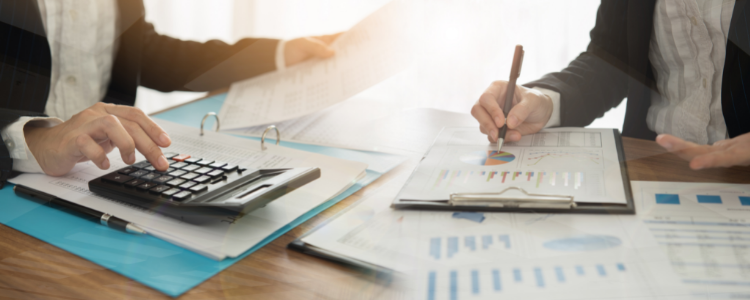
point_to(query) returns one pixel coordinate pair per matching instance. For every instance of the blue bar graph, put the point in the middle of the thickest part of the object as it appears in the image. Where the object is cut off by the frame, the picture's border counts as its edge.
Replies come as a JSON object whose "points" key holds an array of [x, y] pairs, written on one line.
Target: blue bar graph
{"points": [[475, 282], [600, 269], [744, 200], [621, 267], [486, 241], [454, 285], [505, 239], [435, 247], [517, 275], [667, 199], [539, 277], [496, 279], [452, 246], [431, 285], [560, 274], [470, 242], [709, 199], [579, 271]]}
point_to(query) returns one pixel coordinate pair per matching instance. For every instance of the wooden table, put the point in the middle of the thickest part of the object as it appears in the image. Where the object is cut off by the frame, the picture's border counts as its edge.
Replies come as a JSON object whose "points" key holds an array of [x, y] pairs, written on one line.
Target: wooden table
{"points": [[32, 269]]}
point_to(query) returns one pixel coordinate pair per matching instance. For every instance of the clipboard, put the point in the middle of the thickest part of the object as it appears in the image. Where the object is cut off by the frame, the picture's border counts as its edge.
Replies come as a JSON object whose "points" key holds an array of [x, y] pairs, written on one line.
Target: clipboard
{"points": [[516, 199]]}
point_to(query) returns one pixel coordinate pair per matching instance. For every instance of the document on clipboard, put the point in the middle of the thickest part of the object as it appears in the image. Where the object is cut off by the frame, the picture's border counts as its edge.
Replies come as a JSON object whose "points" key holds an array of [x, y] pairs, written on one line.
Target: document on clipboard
{"points": [[555, 170]]}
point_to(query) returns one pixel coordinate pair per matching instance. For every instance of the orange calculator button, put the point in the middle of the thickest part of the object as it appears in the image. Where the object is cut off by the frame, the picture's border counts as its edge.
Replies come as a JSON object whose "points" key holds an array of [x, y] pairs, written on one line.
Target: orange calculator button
{"points": [[181, 157]]}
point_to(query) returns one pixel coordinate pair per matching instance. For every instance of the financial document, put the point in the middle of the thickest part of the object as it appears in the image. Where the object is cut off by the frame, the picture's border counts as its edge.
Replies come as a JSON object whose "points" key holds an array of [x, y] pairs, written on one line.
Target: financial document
{"points": [[371, 51], [578, 162], [468, 255], [213, 237]]}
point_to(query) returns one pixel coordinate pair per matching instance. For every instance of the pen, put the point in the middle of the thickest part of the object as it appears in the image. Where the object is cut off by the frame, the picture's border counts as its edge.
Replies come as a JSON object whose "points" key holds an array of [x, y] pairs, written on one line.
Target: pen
{"points": [[104, 218], [515, 71]]}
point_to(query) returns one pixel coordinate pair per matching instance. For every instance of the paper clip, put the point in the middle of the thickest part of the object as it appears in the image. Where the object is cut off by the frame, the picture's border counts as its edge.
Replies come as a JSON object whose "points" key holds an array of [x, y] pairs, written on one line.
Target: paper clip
{"points": [[263, 137], [515, 197], [204, 121]]}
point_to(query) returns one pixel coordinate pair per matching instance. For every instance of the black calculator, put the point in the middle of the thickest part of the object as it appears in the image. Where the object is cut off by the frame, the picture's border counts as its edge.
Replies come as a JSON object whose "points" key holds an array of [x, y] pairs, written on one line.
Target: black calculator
{"points": [[192, 183]]}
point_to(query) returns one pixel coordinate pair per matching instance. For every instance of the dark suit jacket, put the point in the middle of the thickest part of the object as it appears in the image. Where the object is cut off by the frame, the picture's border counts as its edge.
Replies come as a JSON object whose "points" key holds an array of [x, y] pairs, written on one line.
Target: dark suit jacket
{"points": [[144, 58], [616, 65]]}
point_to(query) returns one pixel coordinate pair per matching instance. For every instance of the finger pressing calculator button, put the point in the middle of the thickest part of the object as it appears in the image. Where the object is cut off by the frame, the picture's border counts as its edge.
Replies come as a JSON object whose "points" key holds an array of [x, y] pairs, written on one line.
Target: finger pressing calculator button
{"points": [[168, 170], [170, 154], [202, 179], [176, 182], [181, 157], [146, 186], [180, 165], [171, 161], [142, 164], [150, 176], [229, 168], [127, 171], [215, 173], [181, 196], [198, 188], [159, 189], [203, 170], [217, 165], [177, 173], [193, 160], [150, 168], [189, 176], [191, 168], [117, 178], [139, 173], [205, 162], [187, 185], [163, 179], [170, 192], [134, 183]]}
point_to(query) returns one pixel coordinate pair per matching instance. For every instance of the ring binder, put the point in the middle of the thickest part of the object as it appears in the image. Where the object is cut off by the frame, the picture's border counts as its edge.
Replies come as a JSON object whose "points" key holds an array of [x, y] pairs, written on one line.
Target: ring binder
{"points": [[523, 199], [204, 121], [263, 137]]}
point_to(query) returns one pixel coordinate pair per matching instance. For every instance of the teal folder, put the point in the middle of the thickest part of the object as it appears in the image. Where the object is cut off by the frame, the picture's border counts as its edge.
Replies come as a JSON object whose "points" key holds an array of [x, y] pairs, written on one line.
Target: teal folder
{"points": [[148, 260]]}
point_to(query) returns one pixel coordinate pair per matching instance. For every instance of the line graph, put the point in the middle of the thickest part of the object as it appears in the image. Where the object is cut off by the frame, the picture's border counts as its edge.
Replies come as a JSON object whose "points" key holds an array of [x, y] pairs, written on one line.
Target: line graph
{"points": [[563, 158]]}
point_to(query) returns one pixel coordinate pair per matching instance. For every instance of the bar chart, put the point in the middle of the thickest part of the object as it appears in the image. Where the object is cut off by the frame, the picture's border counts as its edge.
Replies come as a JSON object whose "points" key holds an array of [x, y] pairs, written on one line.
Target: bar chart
{"points": [[453, 245]]}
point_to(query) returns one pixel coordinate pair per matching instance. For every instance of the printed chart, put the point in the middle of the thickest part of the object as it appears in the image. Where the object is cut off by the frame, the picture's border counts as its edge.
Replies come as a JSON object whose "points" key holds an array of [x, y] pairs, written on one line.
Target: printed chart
{"points": [[530, 179], [471, 243], [488, 158], [559, 158]]}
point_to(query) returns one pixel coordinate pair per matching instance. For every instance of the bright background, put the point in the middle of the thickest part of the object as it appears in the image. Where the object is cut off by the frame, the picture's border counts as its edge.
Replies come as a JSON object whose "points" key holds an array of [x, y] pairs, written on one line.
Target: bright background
{"points": [[467, 43]]}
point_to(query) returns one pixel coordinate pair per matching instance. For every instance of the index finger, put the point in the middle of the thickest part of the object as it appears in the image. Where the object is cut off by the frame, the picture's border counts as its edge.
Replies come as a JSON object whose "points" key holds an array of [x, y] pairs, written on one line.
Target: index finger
{"points": [[684, 149], [154, 131], [328, 39]]}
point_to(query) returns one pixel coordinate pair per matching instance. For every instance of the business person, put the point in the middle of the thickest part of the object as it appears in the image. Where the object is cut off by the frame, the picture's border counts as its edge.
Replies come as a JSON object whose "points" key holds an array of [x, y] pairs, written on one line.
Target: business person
{"points": [[80, 61], [683, 65]]}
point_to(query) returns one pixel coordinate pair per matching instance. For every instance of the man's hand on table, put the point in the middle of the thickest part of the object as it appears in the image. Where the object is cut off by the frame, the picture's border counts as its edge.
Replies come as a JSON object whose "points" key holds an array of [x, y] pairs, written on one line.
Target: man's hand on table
{"points": [[94, 132], [302, 49], [726, 153], [531, 111]]}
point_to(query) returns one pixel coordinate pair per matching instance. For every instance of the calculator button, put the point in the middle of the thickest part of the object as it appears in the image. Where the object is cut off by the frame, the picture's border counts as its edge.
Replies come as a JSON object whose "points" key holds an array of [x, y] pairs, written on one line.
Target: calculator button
{"points": [[199, 188], [191, 168], [177, 173], [146, 186], [181, 157], [163, 179], [168, 193], [179, 165], [150, 168], [150, 176], [229, 168], [205, 162], [168, 170], [139, 173], [170, 154], [189, 176], [182, 195], [217, 165], [142, 164], [159, 189], [134, 183], [187, 185], [171, 161], [193, 160], [127, 171], [176, 182], [215, 173], [117, 178], [202, 179], [203, 170]]}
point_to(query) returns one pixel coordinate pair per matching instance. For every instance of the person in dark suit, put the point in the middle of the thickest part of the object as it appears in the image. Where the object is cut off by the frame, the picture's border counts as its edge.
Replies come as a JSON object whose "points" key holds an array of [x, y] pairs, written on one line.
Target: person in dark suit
{"points": [[81, 61], [683, 65]]}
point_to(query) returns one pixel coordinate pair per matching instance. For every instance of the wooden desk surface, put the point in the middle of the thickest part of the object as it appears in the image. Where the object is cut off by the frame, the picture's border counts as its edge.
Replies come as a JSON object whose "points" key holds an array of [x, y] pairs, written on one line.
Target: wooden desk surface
{"points": [[32, 269]]}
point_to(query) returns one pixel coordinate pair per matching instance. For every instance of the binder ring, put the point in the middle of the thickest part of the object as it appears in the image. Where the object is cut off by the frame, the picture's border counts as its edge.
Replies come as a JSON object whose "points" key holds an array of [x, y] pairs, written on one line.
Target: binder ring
{"points": [[263, 137], [204, 121]]}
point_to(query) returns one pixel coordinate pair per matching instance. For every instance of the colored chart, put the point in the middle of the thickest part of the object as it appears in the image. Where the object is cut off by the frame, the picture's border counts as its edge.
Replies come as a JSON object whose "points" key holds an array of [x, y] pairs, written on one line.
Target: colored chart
{"points": [[488, 158]]}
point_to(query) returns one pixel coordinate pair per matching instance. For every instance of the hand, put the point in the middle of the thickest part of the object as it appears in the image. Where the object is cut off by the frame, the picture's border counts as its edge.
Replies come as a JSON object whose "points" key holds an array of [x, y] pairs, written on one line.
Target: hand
{"points": [[531, 111], [94, 132], [302, 49], [726, 153]]}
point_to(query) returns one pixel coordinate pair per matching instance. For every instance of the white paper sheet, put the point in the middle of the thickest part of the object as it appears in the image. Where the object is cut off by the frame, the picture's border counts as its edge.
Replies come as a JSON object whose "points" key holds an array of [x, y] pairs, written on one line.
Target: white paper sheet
{"points": [[371, 51], [213, 237], [562, 161]]}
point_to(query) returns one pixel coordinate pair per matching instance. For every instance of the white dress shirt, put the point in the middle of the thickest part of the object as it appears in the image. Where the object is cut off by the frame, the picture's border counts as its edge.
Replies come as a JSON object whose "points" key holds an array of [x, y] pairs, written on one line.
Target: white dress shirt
{"points": [[81, 35], [687, 51]]}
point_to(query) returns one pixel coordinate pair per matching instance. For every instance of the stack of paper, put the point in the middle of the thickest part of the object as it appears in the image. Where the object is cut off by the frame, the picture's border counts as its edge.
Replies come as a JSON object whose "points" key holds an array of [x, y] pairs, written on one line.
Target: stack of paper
{"points": [[216, 238]]}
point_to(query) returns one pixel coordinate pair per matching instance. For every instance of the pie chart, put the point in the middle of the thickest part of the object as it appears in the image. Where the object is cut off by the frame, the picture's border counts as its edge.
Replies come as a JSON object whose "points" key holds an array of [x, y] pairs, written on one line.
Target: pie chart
{"points": [[488, 158]]}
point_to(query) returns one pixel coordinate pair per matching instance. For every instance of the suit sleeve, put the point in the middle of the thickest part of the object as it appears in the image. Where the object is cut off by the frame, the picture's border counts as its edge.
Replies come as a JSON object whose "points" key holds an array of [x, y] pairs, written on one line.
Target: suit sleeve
{"points": [[7, 117], [170, 64], [596, 80]]}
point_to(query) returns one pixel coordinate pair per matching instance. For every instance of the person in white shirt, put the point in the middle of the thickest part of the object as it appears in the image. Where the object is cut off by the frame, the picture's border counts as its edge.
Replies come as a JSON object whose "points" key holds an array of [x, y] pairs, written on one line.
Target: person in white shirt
{"points": [[70, 69], [682, 64]]}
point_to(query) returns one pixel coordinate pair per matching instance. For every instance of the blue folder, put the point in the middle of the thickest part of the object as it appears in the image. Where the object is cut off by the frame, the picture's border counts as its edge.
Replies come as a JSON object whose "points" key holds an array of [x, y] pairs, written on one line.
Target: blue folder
{"points": [[151, 261]]}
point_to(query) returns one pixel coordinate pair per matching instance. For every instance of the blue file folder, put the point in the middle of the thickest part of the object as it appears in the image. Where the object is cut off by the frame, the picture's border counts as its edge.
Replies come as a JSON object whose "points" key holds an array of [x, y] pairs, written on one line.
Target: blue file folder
{"points": [[151, 261]]}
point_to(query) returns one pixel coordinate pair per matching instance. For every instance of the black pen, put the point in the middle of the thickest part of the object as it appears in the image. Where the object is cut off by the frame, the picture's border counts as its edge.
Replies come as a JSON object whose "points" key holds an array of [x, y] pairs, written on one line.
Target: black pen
{"points": [[104, 218], [515, 72]]}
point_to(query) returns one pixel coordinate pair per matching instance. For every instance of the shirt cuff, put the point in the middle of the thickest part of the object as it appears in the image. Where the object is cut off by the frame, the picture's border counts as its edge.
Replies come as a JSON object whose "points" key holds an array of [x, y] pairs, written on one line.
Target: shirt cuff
{"points": [[554, 119], [280, 61], [15, 140]]}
